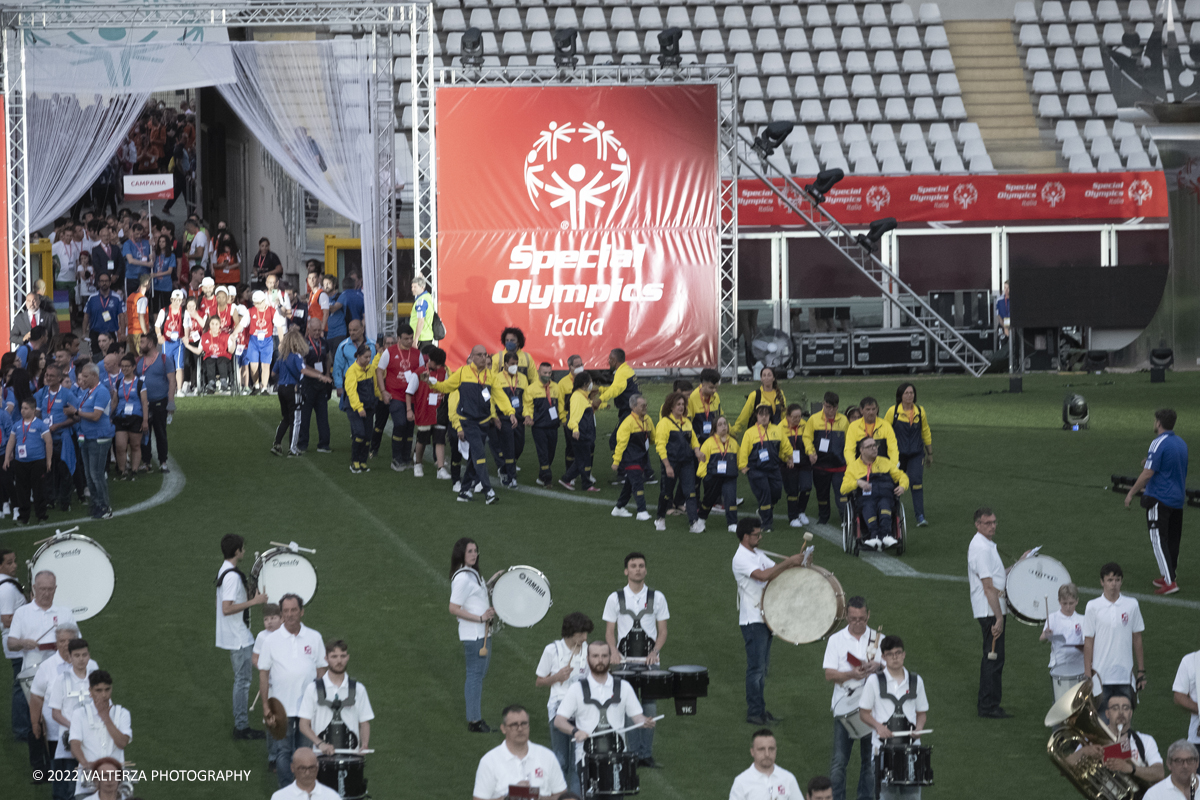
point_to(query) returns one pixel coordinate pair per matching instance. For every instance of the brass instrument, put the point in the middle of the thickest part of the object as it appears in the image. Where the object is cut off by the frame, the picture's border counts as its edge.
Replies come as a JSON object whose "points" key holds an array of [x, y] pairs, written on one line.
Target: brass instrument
{"points": [[1076, 722]]}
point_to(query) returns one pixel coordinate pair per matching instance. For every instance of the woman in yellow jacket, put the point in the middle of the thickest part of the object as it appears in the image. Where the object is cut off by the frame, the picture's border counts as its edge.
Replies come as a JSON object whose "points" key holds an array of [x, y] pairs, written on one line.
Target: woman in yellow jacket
{"points": [[764, 453], [914, 441], [767, 393], [719, 472], [362, 392], [676, 443]]}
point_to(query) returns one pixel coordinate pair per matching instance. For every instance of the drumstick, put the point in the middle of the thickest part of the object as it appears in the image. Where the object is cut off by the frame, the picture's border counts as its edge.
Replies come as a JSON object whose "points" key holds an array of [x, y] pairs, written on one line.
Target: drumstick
{"points": [[635, 725], [57, 534], [256, 694], [345, 751], [295, 548], [911, 733], [992, 655]]}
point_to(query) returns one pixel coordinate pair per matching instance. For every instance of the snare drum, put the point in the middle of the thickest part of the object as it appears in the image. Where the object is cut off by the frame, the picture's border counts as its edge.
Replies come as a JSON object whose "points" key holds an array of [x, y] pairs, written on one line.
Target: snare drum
{"points": [[279, 571], [657, 684], [906, 765], [25, 678], [83, 570], [609, 774], [521, 597], [1030, 584], [344, 774], [691, 683], [631, 674], [803, 604], [845, 711]]}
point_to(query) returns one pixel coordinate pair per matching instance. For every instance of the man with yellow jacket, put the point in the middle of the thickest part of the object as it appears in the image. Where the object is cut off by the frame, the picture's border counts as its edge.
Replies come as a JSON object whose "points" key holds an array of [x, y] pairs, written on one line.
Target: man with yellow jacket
{"points": [[878, 482], [872, 425], [545, 413], [764, 453], [676, 443], [624, 386], [362, 394], [634, 438]]}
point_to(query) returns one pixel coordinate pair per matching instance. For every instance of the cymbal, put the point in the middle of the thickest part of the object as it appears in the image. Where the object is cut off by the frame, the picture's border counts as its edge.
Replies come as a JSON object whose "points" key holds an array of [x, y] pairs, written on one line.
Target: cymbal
{"points": [[279, 728]]}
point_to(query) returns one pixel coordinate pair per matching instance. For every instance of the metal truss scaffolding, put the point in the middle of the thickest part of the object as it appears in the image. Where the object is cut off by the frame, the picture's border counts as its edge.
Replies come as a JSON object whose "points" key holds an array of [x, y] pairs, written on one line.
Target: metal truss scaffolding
{"points": [[722, 75], [377, 21]]}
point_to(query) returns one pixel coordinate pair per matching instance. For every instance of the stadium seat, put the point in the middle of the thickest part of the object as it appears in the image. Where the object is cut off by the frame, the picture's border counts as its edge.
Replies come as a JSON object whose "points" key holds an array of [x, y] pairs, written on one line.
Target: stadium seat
{"points": [[677, 17], [935, 36], [1052, 11], [650, 44], [800, 64], [711, 41], [829, 62], [1106, 105], [973, 148], [953, 108], [1139, 11], [1086, 35], [509, 19], [750, 89], [537, 20], [941, 61], [969, 132], [1138, 161], [1064, 59], [885, 61], [778, 88], [824, 134], [902, 14], [513, 43], [882, 133], [1072, 82], [891, 86], [795, 39], [830, 151], [838, 163], [1098, 82], [772, 64], [754, 111], [1109, 162], [790, 16], [866, 166], [867, 110], [1078, 106], [627, 42], [806, 87], [822, 39], [783, 111], [858, 150], [516, 62], [887, 150], [929, 14], [908, 38], [916, 149], [1143, 30], [734, 17], [812, 111], [1101, 145], [913, 61], [739, 41], [649, 19], [762, 17], [565, 18], [599, 43], [1113, 31], [593, 19], [1031, 36], [880, 38], [779, 161], [944, 148], [918, 85], [845, 15], [807, 166], [896, 109], [924, 108], [1037, 59], [854, 133], [1081, 163], [1080, 11], [953, 163], [1059, 36], [745, 64], [705, 17], [857, 62], [482, 18], [982, 163], [1124, 130], [873, 14], [893, 165], [1092, 58], [452, 20], [767, 39], [454, 42], [939, 131], [840, 111], [818, 16], [862, 86], [852, 39], [947, 84], [1025, 13], [834, 86], [922, 165]]}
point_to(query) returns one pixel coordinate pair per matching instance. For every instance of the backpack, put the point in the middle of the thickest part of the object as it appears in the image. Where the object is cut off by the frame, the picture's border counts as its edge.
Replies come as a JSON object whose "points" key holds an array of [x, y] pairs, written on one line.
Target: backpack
{"points": [[439, 329]]}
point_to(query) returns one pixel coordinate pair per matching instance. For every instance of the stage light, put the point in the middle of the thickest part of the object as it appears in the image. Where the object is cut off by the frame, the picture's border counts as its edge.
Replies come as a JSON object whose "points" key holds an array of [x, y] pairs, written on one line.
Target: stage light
{"points": [[771, 138], [1095, 360], [564, 47], [668, 45], [826, 180], [878, 228], [1161, 359], [472, 48], [1074, 413]]}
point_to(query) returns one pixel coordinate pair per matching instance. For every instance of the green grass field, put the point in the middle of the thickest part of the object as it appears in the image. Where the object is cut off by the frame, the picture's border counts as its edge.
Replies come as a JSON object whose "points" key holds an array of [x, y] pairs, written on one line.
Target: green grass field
{"points": [[384, 540]]}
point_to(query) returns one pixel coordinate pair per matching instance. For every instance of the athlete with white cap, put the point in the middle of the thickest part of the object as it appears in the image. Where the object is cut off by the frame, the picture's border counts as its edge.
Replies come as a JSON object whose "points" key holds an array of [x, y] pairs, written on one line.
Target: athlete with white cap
{"points": [[261, 320], [170, 328]]}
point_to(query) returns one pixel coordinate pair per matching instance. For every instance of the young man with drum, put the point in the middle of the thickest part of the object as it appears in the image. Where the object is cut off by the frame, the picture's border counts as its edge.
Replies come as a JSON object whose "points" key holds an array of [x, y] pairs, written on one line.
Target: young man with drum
{"points": [[517, 762], [233, 629], [469, 602], [564, 662], [851, 657], [1064, 631], [752, 569], [893, 701], [764, 779], [354, 706], [636, 618]]}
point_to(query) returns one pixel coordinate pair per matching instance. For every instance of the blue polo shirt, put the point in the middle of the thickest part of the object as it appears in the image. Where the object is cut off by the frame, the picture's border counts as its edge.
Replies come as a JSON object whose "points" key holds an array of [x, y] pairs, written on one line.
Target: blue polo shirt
{"points": [[29, 434], [155, 374], [96, 308], [89, 401], [353, 304], [50, 406], [5, 429], [140, 251], [1168, 457]]}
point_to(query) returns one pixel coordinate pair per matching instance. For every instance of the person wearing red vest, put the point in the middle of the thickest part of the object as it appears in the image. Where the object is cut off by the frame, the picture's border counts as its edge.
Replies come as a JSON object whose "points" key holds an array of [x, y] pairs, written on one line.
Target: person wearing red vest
{"points": [[261, 328], [394, 372], [208, 298], [170, 328], [137, 313], [430, 413], [214, 349], [318, 300]]}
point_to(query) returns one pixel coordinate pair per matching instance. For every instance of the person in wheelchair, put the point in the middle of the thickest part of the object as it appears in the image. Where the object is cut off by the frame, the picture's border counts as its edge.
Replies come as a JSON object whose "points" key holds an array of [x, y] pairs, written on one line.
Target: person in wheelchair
{"points": [[873, 483]]}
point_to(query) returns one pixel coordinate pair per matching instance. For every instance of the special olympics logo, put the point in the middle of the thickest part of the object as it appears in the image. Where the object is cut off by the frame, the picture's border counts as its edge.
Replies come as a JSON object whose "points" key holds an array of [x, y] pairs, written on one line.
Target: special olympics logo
{"points": [[878, 197], [1188, 177], [965, 195], [1140, 191], [1054, 193], [596, 177]]}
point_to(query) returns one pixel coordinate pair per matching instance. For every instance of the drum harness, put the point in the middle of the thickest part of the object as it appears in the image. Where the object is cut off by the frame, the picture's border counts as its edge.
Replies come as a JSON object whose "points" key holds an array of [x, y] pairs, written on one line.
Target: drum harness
{"points": [[897, 722], [602, 727], [245, 586], [17, 583], [636, 643], [336, 732]]}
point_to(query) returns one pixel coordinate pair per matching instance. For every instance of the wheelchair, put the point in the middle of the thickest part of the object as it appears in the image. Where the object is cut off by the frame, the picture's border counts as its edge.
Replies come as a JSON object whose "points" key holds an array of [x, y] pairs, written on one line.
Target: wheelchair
{"points": [[854, 527]]}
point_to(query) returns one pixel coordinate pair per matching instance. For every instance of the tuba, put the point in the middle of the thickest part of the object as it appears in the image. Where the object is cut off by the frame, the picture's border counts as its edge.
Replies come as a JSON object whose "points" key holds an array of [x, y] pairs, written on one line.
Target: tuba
{"points": [[1076, 722]]}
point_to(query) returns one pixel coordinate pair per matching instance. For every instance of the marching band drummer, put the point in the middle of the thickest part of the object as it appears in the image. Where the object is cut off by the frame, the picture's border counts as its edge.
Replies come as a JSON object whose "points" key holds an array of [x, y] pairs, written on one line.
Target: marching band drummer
{"points": [[69, 691], [563, 662], [599, 704], [636, 618], [470, 603], [334, 687], [851, 657], [517, 762], [233, 629], [893, 702], [1064, 631]]}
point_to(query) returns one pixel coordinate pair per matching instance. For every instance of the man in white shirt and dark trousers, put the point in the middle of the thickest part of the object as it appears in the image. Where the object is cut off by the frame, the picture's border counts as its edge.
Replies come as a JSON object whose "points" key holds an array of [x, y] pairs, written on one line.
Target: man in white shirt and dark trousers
{"points": [[233, 629], [636, 618], [517, 762], [563, 662], [1112, 637], [893, 701], [596, 707], [99, 729], [985, 576], [1064, 631], [291, 658], [69, 690], [752, 569], [851, 657], [12, 597], [336, 711], [764, 779], [1181, 782]]}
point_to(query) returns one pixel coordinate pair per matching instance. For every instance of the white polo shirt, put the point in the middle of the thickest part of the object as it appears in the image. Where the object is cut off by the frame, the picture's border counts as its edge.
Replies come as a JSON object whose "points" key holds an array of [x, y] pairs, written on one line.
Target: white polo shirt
{"points": [[1112, 626], [556, 656], [635, 603], [754, 785], [1185, 683], [294, 792], [983, 561], [838, 650], [1165, 790], [10, 600], [1066, 639], [260, 640], [468, 590], [750, 590], [30, 621], [320, 716], [587, 716], [500, 768], [66, 695], [232, 632], [48, 674], [89, 730], [293, 662], [881, 708]]}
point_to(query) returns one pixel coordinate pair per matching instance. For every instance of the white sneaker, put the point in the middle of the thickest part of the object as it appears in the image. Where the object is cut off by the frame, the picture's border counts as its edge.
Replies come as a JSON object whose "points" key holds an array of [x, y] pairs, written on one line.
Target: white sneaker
{"points": [[733, 528], [660, 524], [643, 516], [697, 527], [443, 474], [479, 487], [718, 508], [457, 487], [804, 519], [7, 509], [796, 523], [418, 471], [739, 502], [888, 541], [621, 512], [871, 543]]}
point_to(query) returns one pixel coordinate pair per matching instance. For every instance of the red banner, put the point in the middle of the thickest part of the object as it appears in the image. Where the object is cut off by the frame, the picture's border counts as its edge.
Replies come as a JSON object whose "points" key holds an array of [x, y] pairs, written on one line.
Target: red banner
{"points": [[586, 216], [859, 199]]}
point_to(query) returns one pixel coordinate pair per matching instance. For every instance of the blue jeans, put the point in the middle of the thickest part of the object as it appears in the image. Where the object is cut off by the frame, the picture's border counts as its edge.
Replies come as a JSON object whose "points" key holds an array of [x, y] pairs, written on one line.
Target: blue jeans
{"points": [[477, 667], [284, 748], [564, 750], [240, 659], [64, 790], [842, 745], [95, 465], [21, 726], [758, 655], [641, 740]]}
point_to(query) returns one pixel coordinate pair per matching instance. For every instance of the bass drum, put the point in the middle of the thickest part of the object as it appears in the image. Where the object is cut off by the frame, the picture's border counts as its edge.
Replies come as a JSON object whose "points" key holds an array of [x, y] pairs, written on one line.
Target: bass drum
{"points": [[521, 597], [1031, 584], [803, 604], [83, 570], [279, 571]]}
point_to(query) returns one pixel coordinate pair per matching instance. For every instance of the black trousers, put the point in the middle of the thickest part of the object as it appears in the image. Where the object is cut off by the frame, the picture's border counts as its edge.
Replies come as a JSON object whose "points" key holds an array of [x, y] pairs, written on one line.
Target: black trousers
{"points": [[59, 481], [402, 431], [582, 463], [381, 421], [504, 447], [634, 487], [545, 442], [79, 478], [158, 427], [723, 488], [29, 478], [685, 478], [313, 397], [767, 485], [289, 415], [822, 481], [990, 671], [477, 437], [1166, 531], [797, 484], [214, 367]]}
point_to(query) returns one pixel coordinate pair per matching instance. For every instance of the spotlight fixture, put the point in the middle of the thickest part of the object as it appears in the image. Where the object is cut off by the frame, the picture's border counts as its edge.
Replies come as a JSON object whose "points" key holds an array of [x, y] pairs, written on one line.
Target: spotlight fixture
{"points": [[1074, 413], [879, 227], [564, 47], [1161, 359], [472, 48], [771, 138], [668, 45], [826, 179], [1095, 360]]}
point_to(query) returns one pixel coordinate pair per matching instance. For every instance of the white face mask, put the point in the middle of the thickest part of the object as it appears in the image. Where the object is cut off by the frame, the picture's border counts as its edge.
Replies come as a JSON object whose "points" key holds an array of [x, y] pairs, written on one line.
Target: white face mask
{"points": [[578, 370], [512, 369]]}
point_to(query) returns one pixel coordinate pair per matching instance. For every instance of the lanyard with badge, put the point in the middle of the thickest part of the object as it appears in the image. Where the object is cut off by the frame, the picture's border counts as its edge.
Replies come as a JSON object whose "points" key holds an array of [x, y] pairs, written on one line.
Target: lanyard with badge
{"points": [[550, 403], [763, 453], [797, 452], [514, 390], [867, 491], [723, 458], [823, 445], [128, 388], [706, 427], [51, 398], [22, 450], [486, 393], [104, 315]]}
